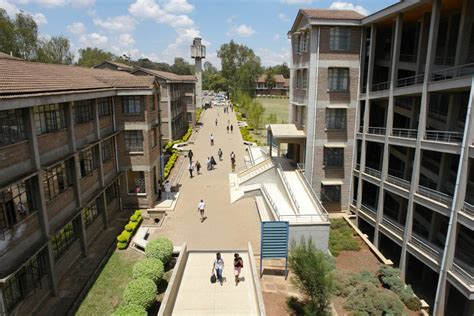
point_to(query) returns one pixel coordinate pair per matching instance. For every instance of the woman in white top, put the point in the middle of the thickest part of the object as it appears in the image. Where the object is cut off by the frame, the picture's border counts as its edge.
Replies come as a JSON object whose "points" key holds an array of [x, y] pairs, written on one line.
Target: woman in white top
{"points": [[218, 266]]}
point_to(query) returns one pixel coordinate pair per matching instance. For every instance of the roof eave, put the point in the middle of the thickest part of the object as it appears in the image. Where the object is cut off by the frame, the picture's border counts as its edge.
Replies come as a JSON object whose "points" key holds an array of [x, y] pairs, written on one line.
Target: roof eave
{"points": [[392, 10]]}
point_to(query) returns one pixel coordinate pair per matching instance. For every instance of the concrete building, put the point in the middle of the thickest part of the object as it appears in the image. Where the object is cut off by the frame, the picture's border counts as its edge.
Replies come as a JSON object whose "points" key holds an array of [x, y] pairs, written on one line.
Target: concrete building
{"points": [[280, 87], [323, 100], [77, 145], [413, 172], [177, 102]]}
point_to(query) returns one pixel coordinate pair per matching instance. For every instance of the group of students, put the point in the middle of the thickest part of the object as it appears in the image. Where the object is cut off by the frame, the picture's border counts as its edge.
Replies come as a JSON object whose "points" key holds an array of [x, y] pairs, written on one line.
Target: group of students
{"points": [[218, 267]]}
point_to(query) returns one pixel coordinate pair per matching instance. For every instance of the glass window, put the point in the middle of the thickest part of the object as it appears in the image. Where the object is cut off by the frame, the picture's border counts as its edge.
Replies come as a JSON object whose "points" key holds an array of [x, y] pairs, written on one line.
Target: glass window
{"points": [[56, 180], [64, 239], [153, 138], [134, 141], [49, 118], [16, 203], [90, 213], [82, 111], [88, 161], [339, 38], [111, 193], [136, 181], [104, 106], [108, 149], [333, 157], [152, 103], [132, 104], [338, 79], [336, 119], [330, 193], [25, 280], [12, 126]]}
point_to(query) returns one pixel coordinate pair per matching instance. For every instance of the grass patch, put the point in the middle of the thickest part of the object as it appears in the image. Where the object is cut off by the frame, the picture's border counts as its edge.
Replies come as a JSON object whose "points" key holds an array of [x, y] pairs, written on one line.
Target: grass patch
{"points": [[341, 237], [106, 293], [276, 106]]}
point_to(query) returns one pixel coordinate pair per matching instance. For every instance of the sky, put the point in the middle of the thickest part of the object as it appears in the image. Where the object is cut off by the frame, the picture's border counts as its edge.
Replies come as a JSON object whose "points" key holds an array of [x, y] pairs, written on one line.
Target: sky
{"points": [[164, 29]]}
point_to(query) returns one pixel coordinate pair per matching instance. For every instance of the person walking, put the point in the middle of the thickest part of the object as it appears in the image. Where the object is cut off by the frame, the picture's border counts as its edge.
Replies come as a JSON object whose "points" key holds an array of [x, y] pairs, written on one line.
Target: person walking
{"points": [[167, 186], [238, 265], [191, 168], [218, 267], [211, 138], [209, 165], [213, 162], [232, 160], [190, 155], [219, 153], [201, 207], [159, 190], [231, 128], [227, 129], [198, 167], [216, 122]]}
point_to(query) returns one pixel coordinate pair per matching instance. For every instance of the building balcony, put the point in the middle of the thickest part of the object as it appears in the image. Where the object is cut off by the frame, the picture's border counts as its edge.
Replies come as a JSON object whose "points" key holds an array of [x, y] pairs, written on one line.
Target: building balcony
{"points": [[426, 248], [465, 276], [380, 86], [393, 226], [454, 72], [373, 172], [468, 209], [398, 181], [369, 210], [408, 58], [376, 130], [443, 136], [410, 81], [435, 195], [404, 132], [444, 61]]}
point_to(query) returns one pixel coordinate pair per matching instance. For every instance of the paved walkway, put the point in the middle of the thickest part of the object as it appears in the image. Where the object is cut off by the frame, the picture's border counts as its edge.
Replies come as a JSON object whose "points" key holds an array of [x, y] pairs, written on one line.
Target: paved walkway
{"points": [[228, 226]]}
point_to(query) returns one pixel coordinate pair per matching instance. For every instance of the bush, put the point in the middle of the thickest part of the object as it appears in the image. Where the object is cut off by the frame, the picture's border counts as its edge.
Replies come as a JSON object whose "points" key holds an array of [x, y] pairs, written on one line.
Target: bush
{"points": [[141, 292], [188, 134], [131, 226], [390, 278], [161, 248], [367, 299], [413, 303], [341, 237], [149, 268], [124, 236], [345, 282], [134, 218], [122, 245], [130, 310]]}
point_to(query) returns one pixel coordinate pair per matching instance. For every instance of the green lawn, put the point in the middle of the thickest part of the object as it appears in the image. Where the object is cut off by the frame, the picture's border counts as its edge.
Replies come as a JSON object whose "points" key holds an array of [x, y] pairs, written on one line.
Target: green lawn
{"points": [[106, 293], [276, 106]]}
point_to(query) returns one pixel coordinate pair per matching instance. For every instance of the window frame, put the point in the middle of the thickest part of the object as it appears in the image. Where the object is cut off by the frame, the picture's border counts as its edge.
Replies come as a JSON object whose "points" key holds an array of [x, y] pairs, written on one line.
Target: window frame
{"points": [[339, 76], [83, 111], [333, 157], [111, 193], [325, 198], [49, 118], [62, 241], [336, 119], [135, 137], [139, 182], [340, 38], [12, 126], [129, 108], [88, 162], [104, 106], [53, 186], [108, 148], [20, 192], [90, 213]]}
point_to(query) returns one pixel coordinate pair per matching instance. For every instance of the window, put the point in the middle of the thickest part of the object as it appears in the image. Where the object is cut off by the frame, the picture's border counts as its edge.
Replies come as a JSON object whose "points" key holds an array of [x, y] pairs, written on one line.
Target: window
{"points": [[302, 42], [56, 180], [49, 118], [330, 193], [333, 157], [12, 126], [190, 116], [338, 79], [133, 141], [152, 103], [336, 119], [104, 106], [339, 38], [111, 193], [304, 79], [90, 213], [108, 149], [82, 111], [88, 161], [136, 182], [132, 104], [16, 203], [25, 280], [153, 138], [64, 239]]}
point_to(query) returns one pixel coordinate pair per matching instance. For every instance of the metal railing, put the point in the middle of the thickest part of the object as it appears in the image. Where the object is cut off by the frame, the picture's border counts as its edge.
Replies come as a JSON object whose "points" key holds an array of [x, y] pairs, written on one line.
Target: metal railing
{"points": [[300, 167], [288, 187], [302, 218], [361, 129], [444, 61], [357, 167], [324, 214], [462, 274], [377, 130], [409, 58], [425, 246], [410, 81], [468, 209], [249, 172], [435, 195], [454, 72], [373, 172], [396, 227], [380, 86], [444, 136], [404, 132], [369, 209], [398, 181], [354, 202], [270, 200]]}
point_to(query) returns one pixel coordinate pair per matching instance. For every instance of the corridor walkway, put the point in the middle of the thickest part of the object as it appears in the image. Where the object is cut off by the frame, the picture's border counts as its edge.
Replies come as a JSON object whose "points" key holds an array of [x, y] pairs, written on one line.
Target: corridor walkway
{"points": [[228, 226]]}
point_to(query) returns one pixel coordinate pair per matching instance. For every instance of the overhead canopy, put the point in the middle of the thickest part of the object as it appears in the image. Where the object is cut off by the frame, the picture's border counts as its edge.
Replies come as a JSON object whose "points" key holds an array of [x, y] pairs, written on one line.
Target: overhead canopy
{"points": [[285, 131], [332, 182]]}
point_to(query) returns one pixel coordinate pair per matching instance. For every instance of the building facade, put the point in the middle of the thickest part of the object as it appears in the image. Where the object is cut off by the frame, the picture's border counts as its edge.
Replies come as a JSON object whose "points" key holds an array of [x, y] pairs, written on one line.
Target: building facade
{"points": [[77, 146], [323, 99], [177, 104], [280, 86], [413, 171]]}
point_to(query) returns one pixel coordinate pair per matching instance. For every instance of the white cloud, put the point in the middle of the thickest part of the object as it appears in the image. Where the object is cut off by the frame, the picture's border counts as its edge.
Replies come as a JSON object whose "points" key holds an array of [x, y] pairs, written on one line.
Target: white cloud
{"points": [[178, 6], [83, 3], [231, 19], [9, 7], [126, 39], [93, 39], [271, 57], [242, 31], [76, 28], [121, 24], [50, 3], [296, 1], [283, 17], [40, 19], [181, 21], [348, 6]]}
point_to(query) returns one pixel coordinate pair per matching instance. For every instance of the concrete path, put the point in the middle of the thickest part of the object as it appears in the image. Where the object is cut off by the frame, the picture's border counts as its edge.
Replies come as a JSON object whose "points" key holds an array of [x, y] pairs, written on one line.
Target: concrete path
{"points": [[198, 296], [228, 226]]}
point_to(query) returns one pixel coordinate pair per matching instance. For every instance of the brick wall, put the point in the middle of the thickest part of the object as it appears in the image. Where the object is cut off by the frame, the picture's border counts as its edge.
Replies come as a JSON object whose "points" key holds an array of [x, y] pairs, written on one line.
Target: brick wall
{"points": [[59, 203], [106, 125], [354, 45], [47, 143], [89, 185]]}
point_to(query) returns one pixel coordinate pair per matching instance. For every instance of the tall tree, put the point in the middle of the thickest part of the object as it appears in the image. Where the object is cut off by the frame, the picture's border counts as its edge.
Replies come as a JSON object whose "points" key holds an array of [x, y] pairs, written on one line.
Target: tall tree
{"points": [[26, 38], [55, 51], [89, 57], [209, 75], [269, 78], [182, 67], [282, 69], [7, 34]]}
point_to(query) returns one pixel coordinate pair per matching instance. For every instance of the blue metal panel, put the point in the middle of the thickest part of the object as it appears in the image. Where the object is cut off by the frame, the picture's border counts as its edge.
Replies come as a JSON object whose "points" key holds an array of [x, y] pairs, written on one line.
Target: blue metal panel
{"points": [[274, 241]]}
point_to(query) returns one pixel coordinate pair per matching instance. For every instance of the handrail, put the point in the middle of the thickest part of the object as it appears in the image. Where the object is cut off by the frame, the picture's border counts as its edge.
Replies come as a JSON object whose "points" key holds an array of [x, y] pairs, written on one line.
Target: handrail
{"points": [[444, 61], [398, 181], [302, 218], [373, 172], [435, 195], [314, 197], [357, 166], [377, 130], [444, 136], [468, 208], [253, 168], [462, 274], [368, 208], [393, 225], [269, 198], [380, 86], [453, 72], [404, 132], [425, 246], [285, 180], [410, 81]]}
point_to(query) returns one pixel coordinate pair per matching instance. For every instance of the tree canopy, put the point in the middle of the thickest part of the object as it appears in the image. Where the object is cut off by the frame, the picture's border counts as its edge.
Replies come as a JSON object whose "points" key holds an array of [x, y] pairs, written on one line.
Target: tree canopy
{"points": [[91, 56], [55, 51]]}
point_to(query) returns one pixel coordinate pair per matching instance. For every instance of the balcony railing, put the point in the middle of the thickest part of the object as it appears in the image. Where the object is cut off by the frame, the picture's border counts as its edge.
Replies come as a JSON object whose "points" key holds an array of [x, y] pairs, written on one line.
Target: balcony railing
{"points": [[394, 226], [444, 61], [426, 247], [468, 209], [404, 132], [398, 182], [444, 136], [410, 81], [361, 129], [373, 172], [409, 58], [380, 86], [454, 72], [368, 209], [354, 202], [357, 166], [377, 130], [462, 274], [435, 195]]}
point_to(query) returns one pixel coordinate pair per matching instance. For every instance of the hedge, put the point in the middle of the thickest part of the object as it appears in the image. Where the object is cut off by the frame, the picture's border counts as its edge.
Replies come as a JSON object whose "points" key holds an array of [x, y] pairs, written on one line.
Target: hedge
{"points": [[367, 299], [169, 165], [141, 292], [390, 278], [246, 135], [129, 230], [130, 310], [149, 268], [161, 248], [198, 114]]}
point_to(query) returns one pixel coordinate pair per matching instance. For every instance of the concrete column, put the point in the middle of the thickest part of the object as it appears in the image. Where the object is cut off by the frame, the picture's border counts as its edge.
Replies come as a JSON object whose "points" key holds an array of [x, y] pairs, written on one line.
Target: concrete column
{"points": [[105, 215], [82, 235], [114, 118], [31, 133], [423, 44], [95, 114], [433, 35], [71, 126], [51, 267], [290, 104], [100, 168], [3, 308], [464, 34], [77, 182]]}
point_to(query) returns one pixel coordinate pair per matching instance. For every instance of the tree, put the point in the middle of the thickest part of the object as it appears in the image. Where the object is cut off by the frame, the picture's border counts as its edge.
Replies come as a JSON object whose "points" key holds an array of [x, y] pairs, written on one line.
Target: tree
{"points": [[209, 74], [89, 56], [216, 83], [55, 51], [269, 78], [26, 36], [312, 275], [255, 114], [7, 33], [182, 67], [282, 69]]}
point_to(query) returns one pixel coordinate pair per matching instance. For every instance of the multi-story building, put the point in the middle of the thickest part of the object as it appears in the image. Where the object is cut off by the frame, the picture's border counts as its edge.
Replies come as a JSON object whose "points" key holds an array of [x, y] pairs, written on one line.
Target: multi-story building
{"points": [[279, 88], [413, 172], [77, 145], [177, 104], [323, 100]]}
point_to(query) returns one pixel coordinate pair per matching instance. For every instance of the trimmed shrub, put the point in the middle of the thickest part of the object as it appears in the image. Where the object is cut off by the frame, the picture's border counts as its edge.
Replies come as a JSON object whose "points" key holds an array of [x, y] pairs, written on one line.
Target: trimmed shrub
{"points": [[149, 268], [141, 292], [367, 299], [390, 278], [134, 218], [130, 310], [345, 282], [409, 299], [122, 245], [124, 236], [138, 212], [161, 248], [129, 227]]}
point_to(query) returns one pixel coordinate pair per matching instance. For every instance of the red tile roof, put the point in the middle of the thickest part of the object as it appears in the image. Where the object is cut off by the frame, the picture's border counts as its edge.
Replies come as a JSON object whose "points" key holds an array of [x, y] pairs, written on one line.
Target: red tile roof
{"points": [[326, 14], [167, 75], [119, 65], [278, 78]]}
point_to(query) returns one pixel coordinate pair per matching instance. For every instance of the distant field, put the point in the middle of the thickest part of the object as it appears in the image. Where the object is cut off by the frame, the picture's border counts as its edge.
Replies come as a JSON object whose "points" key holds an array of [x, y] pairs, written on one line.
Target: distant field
{"points": [[277, 106]]}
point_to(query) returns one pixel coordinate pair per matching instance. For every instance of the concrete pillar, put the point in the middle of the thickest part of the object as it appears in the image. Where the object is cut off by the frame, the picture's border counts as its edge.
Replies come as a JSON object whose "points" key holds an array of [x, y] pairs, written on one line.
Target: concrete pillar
{"points": [[431, 48], [290, 103], [82, 235], [105, 215], [31, 134], [95, 115], [51, 270], [3, 308], [100, 168], [464, 34], [71, 126], [423, 43]]}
